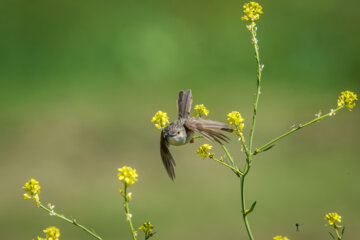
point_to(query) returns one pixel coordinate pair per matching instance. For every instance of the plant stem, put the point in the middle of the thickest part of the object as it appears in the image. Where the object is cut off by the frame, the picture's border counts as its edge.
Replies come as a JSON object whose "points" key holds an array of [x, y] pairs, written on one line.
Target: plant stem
{"points": [[70, 221], [248, 151], [258, 91], [241, 136], [227, 165], [128, 214], [337, 233], [258, 150], [243, 204], [229, 156]]}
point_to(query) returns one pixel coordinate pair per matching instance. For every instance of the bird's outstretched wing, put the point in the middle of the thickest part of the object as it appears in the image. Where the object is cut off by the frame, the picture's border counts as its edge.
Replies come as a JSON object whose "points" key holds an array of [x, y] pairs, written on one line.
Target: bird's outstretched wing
{"points": [[166, 157], [208, 128], [184, 103]]}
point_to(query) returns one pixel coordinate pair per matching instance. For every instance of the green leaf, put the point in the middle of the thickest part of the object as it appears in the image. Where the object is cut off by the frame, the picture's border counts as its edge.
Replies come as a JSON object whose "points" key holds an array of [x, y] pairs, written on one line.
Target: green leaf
{"points": [[343, 230], [266, 149], [251, 208]]}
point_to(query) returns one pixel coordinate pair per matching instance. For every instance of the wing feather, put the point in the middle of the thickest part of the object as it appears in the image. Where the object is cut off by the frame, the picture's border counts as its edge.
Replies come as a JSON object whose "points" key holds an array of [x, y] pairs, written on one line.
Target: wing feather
{"points": [[167, 159], [208, 128]]}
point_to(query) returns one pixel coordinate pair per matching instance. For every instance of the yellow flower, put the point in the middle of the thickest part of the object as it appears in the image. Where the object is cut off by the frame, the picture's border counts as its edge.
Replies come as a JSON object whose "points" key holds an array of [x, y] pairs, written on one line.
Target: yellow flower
{"points": [[128, 196], [121, 191], [161, 119], [36, 199], [26, 196], [251, 26], [332, 218], [201, 110], [52, 233], [147, 227], [203, 151], [127, 175], [234, 118], [32, 189], [252, 11], [279, 237], [347, 99]]}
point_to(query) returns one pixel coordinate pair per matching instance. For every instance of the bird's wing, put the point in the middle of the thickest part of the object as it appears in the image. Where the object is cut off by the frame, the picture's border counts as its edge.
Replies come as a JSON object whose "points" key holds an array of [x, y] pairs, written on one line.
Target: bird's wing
{"points": [[184, 103], [208, 128], [166, 157]]}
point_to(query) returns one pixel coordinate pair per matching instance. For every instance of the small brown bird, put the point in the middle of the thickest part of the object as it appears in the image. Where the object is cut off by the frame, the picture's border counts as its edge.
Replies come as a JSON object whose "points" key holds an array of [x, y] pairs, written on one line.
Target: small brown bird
{"points": [[182, 131]]}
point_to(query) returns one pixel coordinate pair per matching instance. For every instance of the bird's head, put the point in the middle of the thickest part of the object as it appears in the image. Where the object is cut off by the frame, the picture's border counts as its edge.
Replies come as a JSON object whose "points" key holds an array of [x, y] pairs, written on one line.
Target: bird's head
{"points": [[175, 135]]}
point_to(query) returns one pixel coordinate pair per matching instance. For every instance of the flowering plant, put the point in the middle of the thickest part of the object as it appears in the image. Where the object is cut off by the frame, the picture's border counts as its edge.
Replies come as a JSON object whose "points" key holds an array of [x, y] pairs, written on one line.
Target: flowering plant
{"points": [[347, 99], [128, 176]]}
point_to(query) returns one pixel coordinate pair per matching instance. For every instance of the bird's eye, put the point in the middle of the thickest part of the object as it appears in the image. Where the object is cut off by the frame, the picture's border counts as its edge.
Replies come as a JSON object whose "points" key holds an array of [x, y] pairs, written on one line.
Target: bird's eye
{"points": [[178, 132]]}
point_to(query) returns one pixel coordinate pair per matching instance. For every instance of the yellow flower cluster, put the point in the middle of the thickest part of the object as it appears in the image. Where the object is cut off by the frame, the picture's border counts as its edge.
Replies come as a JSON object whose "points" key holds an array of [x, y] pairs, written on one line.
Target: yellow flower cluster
{"points": [[52, 233], [252, 11], [161, 119], [333, 218], [234, 118], [347, 99], [147, 227], [203, 151], [32, 189], [279, 237], [127, 175], [201, 110]]}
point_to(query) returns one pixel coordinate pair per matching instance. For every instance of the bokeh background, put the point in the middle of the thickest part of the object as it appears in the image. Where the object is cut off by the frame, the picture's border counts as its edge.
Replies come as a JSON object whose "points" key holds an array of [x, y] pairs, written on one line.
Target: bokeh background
{"points": [[80, 81]]}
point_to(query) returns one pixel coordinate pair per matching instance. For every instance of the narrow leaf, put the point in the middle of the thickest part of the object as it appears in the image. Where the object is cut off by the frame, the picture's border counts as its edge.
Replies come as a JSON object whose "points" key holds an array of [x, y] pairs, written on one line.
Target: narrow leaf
{"points": [[251, 208], [268, 148]]}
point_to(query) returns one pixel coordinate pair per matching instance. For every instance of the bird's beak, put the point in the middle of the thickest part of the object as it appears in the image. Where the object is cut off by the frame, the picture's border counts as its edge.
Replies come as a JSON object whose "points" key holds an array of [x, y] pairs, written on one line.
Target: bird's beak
{"points": [[170, 135]]}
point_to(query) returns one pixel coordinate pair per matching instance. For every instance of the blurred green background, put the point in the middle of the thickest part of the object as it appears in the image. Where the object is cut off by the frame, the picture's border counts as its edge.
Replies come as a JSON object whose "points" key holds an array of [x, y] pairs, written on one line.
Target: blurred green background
{"points": [[80, 81]]}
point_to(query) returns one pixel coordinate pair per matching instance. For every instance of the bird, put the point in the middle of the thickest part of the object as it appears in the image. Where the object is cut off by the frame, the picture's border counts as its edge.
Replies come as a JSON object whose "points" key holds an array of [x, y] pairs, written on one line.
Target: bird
{"points": [[182, 131]]}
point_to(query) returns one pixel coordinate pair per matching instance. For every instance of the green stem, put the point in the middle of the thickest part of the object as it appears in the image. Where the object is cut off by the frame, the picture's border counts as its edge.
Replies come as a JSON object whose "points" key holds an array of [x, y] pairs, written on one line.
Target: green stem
{"points": [[249, 150], [258, 91], [229, 156], [337, 233], [128, 216], [243, 204], [258, 150], [70, 221], [241, 136], [227, 165]]}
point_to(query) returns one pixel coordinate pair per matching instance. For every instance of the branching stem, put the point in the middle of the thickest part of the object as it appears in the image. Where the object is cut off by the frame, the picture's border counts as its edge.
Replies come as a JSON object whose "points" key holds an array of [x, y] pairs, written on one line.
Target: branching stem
{"points": [[248, 151], [74, 222], [265, 146], [228, 155], [236, 170], [258, 91]]}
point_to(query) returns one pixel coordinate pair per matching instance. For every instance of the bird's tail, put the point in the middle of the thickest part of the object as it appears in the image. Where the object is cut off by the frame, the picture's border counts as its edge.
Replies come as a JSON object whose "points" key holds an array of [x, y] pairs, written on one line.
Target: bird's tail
{"points": [[184, 104]]}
